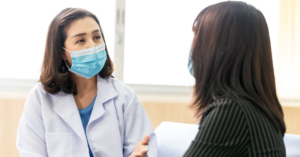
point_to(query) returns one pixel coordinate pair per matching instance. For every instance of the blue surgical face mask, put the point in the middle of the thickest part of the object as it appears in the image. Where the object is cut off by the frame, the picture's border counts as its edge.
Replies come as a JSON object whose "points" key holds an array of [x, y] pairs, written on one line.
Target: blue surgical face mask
{"points": [[191, 69], [88, 62]]}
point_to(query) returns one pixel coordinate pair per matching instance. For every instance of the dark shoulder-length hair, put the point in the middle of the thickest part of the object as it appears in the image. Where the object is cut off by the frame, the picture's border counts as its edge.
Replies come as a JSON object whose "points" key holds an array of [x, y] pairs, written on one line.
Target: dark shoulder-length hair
{"points": [[231, 53], [55, 76]]}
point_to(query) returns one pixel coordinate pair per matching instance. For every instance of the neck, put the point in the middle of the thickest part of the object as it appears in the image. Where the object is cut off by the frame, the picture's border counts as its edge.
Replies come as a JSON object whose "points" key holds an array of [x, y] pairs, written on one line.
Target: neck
{"points": [[83, 85]]}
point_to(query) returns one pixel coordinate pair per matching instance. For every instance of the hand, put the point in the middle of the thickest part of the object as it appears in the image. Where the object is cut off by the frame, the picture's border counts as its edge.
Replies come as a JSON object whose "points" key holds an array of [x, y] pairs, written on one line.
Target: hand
{"points": [[141, 148]]}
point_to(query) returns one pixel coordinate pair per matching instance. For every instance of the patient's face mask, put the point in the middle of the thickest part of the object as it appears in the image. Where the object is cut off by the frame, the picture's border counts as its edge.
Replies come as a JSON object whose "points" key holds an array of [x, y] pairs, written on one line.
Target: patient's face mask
{"points": [[88, 62], [191, 69]]}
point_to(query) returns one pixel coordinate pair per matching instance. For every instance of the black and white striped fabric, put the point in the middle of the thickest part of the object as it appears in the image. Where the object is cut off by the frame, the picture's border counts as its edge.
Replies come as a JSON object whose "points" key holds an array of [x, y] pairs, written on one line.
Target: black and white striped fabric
{"points": [[235, 127]]}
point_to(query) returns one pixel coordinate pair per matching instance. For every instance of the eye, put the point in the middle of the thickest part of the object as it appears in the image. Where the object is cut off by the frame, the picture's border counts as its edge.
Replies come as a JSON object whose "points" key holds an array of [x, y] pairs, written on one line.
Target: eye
{"points": [[98, 37], [80, 41]]}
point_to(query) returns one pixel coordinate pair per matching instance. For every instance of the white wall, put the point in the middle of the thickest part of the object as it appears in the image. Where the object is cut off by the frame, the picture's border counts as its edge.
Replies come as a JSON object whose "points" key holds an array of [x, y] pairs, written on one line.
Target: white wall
{"points": [[158, 36], [23, 29]]}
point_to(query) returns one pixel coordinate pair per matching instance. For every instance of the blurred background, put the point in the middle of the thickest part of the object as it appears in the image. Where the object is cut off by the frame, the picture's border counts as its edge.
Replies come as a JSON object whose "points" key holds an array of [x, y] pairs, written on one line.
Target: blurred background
{"points": [[149, 42]]}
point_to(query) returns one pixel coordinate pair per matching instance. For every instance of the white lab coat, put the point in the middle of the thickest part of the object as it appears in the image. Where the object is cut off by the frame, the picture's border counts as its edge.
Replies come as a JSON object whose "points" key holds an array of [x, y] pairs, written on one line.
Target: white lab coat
{"points": [[51, 126]]}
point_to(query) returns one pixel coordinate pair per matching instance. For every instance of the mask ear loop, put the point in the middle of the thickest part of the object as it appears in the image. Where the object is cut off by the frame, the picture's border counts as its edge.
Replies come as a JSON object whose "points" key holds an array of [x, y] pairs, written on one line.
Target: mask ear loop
{"points": [[67, 64], [65, 49], [66, 60]]}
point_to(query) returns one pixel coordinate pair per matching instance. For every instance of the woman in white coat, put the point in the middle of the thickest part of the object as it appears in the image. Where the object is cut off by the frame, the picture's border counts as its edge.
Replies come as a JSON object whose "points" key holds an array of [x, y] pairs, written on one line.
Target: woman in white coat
{"points": [[78, 109]]}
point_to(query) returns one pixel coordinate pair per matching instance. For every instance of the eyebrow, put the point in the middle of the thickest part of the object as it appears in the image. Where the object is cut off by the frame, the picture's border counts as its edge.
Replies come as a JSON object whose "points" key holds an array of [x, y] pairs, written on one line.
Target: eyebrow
{"points": [[82, 34]]}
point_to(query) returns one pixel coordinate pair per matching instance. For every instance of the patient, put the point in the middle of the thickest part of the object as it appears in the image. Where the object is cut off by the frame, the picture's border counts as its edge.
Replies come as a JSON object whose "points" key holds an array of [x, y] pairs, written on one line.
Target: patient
{"points": [[235, 93]]}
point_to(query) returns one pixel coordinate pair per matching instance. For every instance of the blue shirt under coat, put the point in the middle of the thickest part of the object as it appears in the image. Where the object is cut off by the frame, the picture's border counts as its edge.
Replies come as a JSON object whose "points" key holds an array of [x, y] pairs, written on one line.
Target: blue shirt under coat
{"points": [[85, 115]]}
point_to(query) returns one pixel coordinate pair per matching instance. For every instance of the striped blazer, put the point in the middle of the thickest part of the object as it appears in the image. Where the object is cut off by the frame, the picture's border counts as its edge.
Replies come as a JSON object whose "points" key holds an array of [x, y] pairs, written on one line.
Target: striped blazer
{"points": [[233, 127]]}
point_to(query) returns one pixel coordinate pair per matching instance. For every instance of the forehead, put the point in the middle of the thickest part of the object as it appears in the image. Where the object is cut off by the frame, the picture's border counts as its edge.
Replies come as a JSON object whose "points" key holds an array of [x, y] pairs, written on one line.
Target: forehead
{"points": [[82, 25]]}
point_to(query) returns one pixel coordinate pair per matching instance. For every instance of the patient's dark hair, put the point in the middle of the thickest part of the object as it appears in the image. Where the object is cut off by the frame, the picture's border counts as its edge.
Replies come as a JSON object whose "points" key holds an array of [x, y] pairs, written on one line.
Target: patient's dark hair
{"points": [[55, 76], [232, 56]]}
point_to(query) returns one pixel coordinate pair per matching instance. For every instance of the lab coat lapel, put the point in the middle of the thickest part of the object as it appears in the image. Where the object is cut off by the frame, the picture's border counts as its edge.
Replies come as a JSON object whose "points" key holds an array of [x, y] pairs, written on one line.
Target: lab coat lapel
{"points": [[67, 109], [106, 92]]}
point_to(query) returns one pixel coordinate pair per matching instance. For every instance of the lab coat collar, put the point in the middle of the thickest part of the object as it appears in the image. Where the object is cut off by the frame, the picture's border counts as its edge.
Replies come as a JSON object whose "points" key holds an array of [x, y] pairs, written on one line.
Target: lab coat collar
{"points": [[106, 91], [67, 109]]}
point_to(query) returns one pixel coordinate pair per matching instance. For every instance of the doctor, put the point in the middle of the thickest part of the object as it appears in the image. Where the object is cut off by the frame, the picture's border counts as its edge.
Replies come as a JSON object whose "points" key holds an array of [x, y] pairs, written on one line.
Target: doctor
{"points": [[78, 109]]}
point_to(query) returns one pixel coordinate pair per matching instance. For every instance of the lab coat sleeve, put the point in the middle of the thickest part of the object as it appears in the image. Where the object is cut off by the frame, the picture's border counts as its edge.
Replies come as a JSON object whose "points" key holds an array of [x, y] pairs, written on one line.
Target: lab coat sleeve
{"points": [[31, 131], [137, 125]]}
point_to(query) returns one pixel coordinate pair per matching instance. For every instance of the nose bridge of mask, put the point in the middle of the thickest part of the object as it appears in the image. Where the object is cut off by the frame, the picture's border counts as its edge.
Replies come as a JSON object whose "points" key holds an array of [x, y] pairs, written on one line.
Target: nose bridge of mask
{"points": [[88, 55], [88, 51]]}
